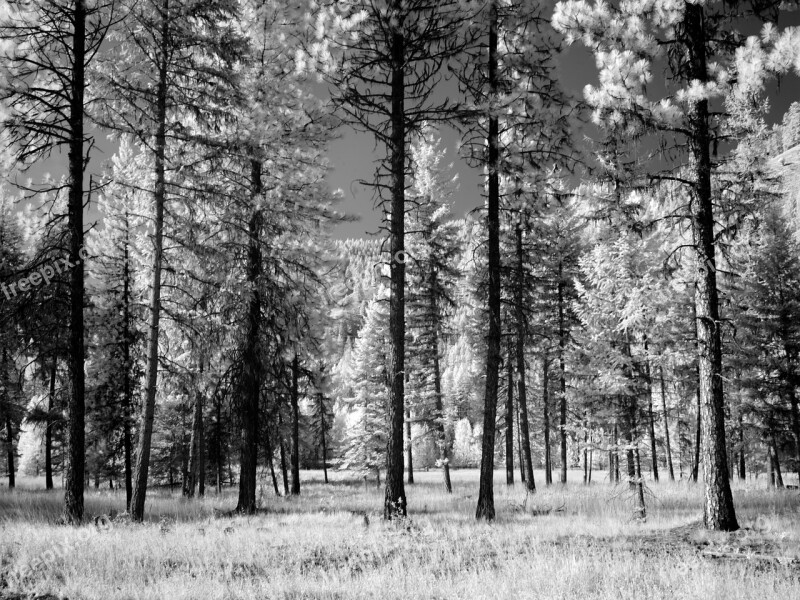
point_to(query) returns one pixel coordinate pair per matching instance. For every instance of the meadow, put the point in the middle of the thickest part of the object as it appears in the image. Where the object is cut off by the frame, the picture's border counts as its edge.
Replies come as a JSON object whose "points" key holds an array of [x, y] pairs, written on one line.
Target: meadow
{"points": [[562, 542]]}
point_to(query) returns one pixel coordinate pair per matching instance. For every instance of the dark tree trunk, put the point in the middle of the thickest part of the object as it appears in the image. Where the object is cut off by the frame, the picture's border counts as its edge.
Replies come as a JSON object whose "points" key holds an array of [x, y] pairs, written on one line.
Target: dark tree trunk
{"points": [[295, 399], [76, 413], [666, 425], [510, 418], [697, 440], [651, 425], [562, 343], [742, 471], [201, 461], [284, 473], [485, 508], [270, 460], [195, 447], [519, 449], [641, 510], [521, 326], [48, 428], [776, 463], [441, 434], [585, 448], [218, 441], [409, 448], [718, 509], [127, 384], [251, 361], [143, 448], [394, 503], [10, 451], [548, 462], [322, 428]]}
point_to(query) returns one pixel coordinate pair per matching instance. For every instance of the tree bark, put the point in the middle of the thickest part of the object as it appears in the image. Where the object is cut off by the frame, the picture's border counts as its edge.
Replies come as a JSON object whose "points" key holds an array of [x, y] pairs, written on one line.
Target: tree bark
{"points": [[652, 427], [718, 509], [127, 384], [485, 508], [441, 433], [548, 463], [151, 379], [295, 398], [251, 361], [509, 417], [270, 460], [48, 428], [409, 448], [195, 447], [562, 343], [666, 425], [394, 503], [776, 464], [697, 437], [9, 427], [76, 413], [521, 327], [742, 471], [321, 401]]}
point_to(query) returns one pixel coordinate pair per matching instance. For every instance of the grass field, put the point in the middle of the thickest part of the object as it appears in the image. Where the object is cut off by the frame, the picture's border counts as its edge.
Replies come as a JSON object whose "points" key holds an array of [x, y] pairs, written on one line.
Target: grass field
{"points": [[563, 542]]}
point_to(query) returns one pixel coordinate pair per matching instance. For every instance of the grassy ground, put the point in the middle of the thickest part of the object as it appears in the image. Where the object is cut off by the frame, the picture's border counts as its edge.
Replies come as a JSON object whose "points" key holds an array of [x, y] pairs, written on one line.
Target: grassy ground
{"points": [[563, 542]]}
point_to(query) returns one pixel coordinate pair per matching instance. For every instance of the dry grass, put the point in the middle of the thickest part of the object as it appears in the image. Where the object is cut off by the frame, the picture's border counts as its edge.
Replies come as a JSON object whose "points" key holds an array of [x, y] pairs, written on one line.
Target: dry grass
{"points": [[318, 545]]}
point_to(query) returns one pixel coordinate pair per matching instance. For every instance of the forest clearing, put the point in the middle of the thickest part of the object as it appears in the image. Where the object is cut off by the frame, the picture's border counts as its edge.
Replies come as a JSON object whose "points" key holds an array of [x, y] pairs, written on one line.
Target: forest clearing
{"points": [[399, 298], [563, 542]]}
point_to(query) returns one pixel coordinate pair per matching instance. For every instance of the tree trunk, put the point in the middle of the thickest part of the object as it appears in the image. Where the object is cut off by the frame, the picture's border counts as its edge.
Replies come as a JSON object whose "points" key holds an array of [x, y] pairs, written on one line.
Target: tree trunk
{"points": [[742, 472], [324, 441], [201, 463], [409, 448], [718, 509], [76, 413], [283, 457], [394, 503], [251, 361], [548, 463], [521, 327], [641, 510], [218, 442], [10, 448], [562, 342], [510, 418], [48, 428], [151, 379], [585, 448], [795, 416], [651, 425], [520, 460], [295, 399], [616, 453], [666, 425], [270, 460], [776, 464], [697, 438], [195, 445], [485, 508], [441, 433], [127, 384]]}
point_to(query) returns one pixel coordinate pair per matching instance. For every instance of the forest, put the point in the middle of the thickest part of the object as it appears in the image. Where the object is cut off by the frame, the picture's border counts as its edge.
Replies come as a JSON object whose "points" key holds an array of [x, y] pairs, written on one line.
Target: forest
{"points": [[207, 389]]}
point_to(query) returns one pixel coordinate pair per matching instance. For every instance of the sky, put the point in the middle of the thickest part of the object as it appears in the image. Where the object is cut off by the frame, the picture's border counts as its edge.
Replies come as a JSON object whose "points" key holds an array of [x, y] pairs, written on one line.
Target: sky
{"points": [[352, 156]]}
